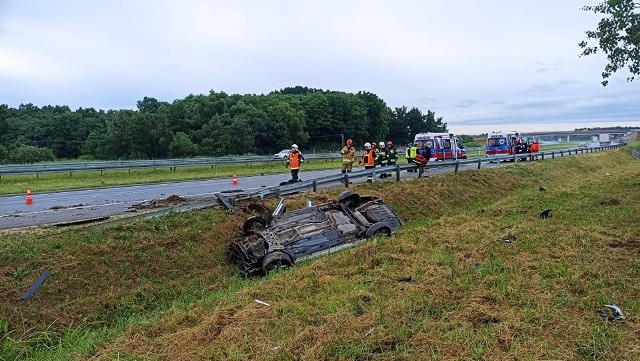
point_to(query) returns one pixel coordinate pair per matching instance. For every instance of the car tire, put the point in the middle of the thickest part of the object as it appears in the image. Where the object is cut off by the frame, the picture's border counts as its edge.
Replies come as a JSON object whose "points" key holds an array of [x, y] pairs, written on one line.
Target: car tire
{"points": [[276, 261], [254, 224], [348, 197], [380, 229]]}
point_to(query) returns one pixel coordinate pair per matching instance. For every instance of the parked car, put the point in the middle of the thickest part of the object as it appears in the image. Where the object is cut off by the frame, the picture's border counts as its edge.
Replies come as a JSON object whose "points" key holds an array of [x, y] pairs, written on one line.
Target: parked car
{"points": [[283, 154], [269, 242]]}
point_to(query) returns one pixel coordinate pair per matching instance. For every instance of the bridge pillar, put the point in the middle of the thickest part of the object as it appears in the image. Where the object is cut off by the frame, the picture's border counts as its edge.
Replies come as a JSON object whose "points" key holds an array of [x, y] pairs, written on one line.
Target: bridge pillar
{"points": [[568, 138]]}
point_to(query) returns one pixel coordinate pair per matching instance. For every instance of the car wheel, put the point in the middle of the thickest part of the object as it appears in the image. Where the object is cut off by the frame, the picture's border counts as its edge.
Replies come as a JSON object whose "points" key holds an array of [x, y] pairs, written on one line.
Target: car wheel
{"points": [[348, 197], [276, 261], [378, 229], [257, 208], [254, 224]]}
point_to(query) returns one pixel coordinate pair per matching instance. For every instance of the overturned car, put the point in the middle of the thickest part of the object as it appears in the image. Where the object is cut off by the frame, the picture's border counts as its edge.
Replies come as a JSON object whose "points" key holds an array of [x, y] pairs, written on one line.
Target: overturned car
{"points": [[273, 241]]}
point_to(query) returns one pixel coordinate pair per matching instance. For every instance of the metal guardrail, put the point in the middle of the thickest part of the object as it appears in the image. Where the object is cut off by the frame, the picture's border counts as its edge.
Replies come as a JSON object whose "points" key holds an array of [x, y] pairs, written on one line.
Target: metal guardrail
{"points": [[71, 167], [373, 173], [635, 153], [100, 166]]}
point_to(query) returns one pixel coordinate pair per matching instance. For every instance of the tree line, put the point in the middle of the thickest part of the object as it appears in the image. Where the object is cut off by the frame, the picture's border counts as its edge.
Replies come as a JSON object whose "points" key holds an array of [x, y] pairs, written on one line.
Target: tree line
{"points": [[216, 124]]}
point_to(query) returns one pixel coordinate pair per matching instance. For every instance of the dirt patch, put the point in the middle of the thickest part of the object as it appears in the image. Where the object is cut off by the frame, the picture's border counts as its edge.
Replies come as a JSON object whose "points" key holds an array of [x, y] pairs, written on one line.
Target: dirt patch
{"points": [[480, 319], [631, 245], [172, 200], [609, 202]]}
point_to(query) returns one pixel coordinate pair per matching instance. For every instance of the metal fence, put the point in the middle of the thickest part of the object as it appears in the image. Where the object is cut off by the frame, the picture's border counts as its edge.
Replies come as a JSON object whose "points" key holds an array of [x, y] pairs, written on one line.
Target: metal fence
{"points": [[635, 153], [345, 179], [101, 166]]}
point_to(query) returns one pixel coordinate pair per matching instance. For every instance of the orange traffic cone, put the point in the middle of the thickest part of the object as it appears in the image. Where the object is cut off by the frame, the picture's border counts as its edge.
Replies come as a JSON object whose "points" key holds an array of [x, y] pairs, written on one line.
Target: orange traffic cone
{"points": [[29, 197], [235, 180]]}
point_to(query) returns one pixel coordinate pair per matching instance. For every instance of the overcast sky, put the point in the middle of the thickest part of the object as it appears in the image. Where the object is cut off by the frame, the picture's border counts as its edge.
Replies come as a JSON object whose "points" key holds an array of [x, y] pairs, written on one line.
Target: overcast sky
{"points": [[481, 65]]}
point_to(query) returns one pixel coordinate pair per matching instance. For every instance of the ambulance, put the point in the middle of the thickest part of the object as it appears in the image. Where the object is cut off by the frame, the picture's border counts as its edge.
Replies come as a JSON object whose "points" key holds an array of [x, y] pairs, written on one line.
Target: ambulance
{"points": [[501, 143], [443, 146]]}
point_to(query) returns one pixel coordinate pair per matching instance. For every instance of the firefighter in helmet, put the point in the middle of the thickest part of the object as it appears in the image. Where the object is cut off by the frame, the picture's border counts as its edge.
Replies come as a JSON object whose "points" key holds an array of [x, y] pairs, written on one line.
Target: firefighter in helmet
{"points": [[348, 156], [294, 160], [368, 159]]}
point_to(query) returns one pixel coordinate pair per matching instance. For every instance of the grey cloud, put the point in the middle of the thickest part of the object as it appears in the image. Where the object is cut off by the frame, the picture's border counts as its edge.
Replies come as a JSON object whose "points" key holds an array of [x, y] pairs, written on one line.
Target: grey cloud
{"points": [[541, 67], [465, 103], [611, 108], [549, 87]]}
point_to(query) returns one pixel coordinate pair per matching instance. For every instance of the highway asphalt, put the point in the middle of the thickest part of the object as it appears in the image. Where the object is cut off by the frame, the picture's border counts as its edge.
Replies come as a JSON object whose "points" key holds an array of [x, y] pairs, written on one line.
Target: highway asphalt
{"points": [[86, 204]]}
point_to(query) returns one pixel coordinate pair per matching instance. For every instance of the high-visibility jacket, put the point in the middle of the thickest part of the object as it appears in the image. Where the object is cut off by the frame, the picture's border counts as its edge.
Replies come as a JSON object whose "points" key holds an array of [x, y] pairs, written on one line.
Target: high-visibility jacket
{"points": [[348, 154], [295, 159], [535, 147], [381, 156], [368, 158], [413, 151], [392, 155]]}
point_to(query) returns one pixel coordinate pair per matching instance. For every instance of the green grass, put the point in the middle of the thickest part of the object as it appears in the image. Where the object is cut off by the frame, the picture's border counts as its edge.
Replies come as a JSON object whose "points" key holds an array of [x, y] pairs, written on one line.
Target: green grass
{"points": [[444, 287]]}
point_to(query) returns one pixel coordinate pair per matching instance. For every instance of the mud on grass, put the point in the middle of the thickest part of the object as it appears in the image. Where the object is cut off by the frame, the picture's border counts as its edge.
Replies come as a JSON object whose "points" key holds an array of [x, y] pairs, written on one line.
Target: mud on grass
{"points": [[442, 289]]}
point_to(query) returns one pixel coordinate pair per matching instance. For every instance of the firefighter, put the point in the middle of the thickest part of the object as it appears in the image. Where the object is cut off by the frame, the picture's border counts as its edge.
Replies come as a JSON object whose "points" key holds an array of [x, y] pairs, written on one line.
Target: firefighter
{"points": [[348, 156], [535, 148], [392, 156], [294, 160], [368, 158], [381, 157]]}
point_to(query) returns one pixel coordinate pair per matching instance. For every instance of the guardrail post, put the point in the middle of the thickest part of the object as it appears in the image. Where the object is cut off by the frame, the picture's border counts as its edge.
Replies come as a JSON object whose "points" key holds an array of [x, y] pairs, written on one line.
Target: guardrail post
{"points": [[479, 163], [515, 158], [373, 176], [277, 192], [457, 165], [315, 186], [397, 173], [562, 153], [420, 172], [346, 180], [542, 155]]}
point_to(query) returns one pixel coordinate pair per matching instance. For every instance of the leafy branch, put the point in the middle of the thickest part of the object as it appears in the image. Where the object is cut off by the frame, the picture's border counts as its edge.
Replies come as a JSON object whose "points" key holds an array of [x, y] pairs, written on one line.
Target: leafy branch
{"points": [[617, 35]]}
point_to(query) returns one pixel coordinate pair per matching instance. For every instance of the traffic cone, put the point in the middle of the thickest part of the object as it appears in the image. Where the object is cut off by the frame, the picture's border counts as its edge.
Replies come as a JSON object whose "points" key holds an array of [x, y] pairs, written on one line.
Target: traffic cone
{"points": [[29, 197], [235, 180]]}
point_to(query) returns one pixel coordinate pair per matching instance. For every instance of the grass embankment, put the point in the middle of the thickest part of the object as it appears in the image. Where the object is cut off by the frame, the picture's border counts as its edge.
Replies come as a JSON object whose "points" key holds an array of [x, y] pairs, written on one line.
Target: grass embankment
{"points": [[48, 182], [446, 286]]}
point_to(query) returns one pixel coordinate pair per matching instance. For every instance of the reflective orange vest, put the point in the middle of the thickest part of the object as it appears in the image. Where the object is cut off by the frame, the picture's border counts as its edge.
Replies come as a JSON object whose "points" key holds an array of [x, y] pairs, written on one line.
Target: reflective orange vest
{"points": [[368, 158], [294, 160]]}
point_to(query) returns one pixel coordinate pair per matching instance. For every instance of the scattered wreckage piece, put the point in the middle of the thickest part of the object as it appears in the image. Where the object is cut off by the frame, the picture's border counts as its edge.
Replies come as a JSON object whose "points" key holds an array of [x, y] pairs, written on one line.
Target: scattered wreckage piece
{"points": [[36, 285], [271, 241], [612, 313], [547, 213]]}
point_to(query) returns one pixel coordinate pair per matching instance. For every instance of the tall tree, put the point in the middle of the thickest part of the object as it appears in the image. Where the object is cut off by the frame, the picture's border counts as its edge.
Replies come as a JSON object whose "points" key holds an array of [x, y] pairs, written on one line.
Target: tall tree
{"points": [[617, 35]]}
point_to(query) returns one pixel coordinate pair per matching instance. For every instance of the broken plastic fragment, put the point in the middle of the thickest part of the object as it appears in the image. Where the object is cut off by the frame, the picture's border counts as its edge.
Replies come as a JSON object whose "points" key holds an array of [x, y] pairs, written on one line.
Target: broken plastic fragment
{"points": [[614, 314], [262, 303]]}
